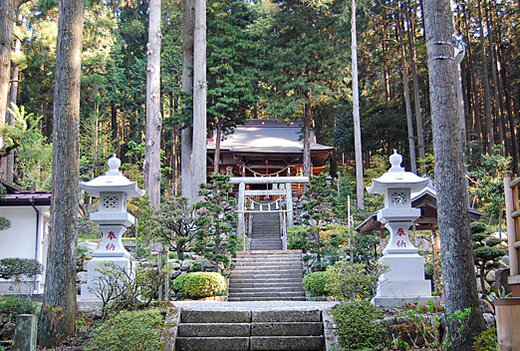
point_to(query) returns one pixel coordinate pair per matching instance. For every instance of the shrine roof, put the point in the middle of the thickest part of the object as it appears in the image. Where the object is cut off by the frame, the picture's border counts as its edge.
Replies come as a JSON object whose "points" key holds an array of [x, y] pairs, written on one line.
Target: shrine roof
{"points": [[17, 197], [267, 136], [426, 201]]}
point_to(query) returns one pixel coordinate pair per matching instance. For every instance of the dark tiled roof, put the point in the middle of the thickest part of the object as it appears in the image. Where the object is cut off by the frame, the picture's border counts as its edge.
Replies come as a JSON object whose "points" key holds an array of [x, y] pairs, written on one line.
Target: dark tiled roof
{"points": [[18, 197]]}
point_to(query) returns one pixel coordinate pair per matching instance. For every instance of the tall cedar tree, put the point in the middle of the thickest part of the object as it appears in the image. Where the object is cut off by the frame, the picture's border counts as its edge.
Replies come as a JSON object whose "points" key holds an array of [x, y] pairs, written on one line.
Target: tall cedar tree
{"points": [[152, 164], [58, 316], [456, 245], [306, 61], [233, 55]]}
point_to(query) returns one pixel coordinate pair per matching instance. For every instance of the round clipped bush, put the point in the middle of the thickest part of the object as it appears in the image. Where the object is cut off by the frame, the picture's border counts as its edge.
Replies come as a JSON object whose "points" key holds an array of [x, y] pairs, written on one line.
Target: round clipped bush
{"points": [[129, 331], [200, 284], [315, 283]]}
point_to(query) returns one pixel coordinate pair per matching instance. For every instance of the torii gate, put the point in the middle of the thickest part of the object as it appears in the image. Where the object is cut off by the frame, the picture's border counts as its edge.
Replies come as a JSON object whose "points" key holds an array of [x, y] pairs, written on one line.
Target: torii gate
{"points": [[285, 190]]}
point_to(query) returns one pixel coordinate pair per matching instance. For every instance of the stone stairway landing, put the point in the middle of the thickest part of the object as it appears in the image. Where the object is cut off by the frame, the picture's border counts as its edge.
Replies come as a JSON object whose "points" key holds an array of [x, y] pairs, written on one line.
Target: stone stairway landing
{"points": [[267, 276], [243, 330]]}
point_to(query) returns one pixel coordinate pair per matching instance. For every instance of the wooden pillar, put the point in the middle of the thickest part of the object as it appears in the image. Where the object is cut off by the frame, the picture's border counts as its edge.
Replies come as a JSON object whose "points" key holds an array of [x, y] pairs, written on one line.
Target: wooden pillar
{"points": [[241, 200], [290, 206], [435, 248]]}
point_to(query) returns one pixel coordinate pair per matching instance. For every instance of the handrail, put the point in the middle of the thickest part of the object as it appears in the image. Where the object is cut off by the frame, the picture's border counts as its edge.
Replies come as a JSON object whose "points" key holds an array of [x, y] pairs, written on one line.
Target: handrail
{"points": [[513, 230]]}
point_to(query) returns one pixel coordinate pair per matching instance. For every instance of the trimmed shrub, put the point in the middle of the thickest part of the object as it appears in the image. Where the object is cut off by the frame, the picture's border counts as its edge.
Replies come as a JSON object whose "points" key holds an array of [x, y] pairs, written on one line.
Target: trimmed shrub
{"points": [[200, 284], [360, 326], [19, 268], [356, 281], [14, 305], [315, 283], [129, 331]]}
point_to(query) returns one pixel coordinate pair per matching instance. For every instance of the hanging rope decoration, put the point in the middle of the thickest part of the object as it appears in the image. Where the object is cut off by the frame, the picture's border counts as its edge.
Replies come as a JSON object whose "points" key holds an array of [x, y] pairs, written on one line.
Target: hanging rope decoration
{"points": [[258, 174], [269, 205]]}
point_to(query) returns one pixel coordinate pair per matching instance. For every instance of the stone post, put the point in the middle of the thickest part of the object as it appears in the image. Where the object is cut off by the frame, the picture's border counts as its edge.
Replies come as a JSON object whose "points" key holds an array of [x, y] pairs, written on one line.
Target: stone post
{"points": [[26, 332]]}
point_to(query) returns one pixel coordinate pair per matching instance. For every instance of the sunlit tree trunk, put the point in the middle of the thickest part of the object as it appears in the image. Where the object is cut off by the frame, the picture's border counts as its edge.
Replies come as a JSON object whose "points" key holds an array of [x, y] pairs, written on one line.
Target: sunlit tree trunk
{"points": [[152, 158], [406, 91], [200, 87], [58, 315], [189, 189], [355, 113], [456, 245]]}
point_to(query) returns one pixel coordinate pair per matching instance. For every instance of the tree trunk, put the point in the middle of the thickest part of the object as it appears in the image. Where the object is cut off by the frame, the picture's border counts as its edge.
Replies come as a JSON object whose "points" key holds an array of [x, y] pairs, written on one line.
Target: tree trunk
{"points": [[58, 316], [188, 25], [355, 113], [406, 90], [456, 245], [13, 96], [497, 94], [216, 166], [307, 118], [416, 92], [152, 157], [199, 95], [485, 82], [8, 10]]}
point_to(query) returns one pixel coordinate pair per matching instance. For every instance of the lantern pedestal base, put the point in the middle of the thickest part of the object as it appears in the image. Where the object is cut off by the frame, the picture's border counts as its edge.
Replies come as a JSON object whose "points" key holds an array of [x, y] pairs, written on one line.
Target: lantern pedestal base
{"points": [[403, 282], [93, 272]]}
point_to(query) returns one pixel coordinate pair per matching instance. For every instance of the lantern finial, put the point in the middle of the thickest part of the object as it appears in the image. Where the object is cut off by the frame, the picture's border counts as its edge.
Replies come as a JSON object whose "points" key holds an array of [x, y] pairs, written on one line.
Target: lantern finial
{"points": [[395, 161], [113, 163]]}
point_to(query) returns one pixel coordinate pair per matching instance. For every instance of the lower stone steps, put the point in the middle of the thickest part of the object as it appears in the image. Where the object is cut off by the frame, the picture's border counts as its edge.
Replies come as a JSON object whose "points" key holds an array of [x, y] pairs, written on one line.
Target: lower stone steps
{"points": [[230, 330]]}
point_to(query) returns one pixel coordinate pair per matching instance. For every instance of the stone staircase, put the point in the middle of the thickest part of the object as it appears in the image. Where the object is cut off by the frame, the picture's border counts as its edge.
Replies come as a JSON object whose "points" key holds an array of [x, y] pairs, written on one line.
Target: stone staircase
{"points": [[267, 276], [230, 330], [266, 231]]}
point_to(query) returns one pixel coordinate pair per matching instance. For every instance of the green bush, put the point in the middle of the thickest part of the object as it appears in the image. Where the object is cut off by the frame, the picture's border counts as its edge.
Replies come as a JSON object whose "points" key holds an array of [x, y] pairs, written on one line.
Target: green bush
{"points": [[486, 341], [315, 283], [129, 331], [14, 305], [360, 326], [356, 281], [19, 268], [200, 284]]}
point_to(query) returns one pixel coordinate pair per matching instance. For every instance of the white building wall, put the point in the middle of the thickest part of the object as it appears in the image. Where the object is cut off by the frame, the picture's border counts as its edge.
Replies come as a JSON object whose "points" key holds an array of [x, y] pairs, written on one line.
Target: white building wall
{"points": [[20, 241]]}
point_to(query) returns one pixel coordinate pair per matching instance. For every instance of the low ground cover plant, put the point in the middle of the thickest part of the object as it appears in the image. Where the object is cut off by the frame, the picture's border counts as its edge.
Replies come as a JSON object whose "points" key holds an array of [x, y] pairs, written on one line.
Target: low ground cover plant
{"points": [[129, 331]]}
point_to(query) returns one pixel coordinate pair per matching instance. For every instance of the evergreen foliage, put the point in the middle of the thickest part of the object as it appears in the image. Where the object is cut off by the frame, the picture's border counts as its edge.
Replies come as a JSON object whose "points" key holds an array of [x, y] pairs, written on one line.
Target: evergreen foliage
{"points": [[216, 236], [174, 224]]}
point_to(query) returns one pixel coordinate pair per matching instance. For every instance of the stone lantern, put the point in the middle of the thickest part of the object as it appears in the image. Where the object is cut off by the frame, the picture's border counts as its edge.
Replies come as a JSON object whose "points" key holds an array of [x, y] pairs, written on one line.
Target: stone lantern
{"points": [[404, 281], [113, 189]]}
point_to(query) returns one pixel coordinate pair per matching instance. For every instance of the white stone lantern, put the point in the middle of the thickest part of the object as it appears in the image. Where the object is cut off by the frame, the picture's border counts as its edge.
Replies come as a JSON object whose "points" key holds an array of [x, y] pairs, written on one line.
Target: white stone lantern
{"points": [[113, 189], [404, 281]]}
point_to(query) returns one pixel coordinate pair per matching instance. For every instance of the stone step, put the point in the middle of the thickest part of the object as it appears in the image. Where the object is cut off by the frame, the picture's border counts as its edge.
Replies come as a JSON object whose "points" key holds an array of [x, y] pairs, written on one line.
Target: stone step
{"points": [[268, 263], [262, 248], [268, 284], [241, 272], [287, 343], [268, 294], [215, 329], [287, 329], [266, 275], [277, 258], [212, 344], [286, 298], [260, 290], [205, 316], [248, 280], [284, 316]]}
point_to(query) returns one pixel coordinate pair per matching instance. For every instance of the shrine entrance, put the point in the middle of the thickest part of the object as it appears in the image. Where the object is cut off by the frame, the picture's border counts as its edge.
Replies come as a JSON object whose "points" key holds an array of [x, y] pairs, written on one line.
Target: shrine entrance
{"points": [[277, 198]]}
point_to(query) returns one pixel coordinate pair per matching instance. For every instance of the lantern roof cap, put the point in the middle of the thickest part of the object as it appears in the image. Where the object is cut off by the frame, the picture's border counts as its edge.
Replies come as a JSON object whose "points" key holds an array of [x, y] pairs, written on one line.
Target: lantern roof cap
{"points": [[397, 177], [112, 181]]}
